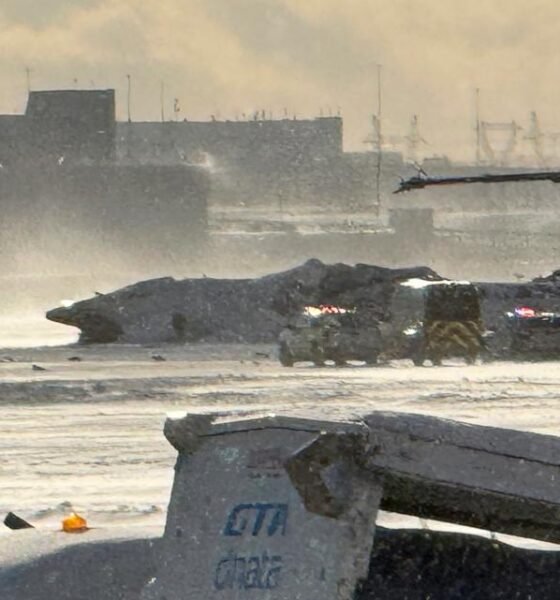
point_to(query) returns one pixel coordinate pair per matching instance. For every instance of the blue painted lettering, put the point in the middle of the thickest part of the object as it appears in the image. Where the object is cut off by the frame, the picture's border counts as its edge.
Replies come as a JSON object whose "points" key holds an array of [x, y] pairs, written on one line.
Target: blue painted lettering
{"points": [[236, 572], [275, 516]]}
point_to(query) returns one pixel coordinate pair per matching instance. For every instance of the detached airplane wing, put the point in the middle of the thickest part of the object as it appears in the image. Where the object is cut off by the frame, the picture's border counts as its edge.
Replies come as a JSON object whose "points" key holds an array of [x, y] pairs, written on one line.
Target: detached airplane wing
{"points": [[422, 181]]}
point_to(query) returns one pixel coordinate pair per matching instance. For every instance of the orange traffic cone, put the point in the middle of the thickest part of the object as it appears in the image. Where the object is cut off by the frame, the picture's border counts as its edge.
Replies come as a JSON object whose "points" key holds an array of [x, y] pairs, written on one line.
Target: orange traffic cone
{"points": [[74, 524]]}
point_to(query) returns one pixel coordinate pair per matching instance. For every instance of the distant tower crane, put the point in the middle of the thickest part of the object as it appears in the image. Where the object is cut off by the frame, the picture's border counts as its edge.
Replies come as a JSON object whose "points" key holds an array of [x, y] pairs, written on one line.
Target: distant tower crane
{"points": [[494, 155], [375, 139], [382, 142], [536, 137], [544, 144], [486, 130], [414, 140], [379, 141]]}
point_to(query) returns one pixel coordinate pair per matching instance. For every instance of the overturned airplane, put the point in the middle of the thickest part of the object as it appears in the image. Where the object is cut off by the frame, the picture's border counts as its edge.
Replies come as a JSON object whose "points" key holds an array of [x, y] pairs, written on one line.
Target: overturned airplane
{"points": [[257, 310]]}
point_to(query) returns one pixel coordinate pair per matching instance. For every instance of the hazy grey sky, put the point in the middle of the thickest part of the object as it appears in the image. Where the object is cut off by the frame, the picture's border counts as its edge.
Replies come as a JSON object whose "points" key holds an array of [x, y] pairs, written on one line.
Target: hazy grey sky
{"points": [[229, 57]]}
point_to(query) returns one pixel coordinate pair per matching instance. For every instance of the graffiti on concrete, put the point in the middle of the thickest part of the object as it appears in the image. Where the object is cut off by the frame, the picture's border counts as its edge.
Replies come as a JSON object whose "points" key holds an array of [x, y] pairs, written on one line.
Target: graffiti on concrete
{"points": [[257, 517], [266, 463], [238, 572]]}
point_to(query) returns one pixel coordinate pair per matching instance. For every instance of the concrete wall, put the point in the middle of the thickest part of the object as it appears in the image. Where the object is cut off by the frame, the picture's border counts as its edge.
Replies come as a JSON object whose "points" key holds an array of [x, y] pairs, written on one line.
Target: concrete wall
{"points": [[73, 125], [283, 165], [230, 142], [280, 164], [13, 139], [71, 215], [66, 200]]}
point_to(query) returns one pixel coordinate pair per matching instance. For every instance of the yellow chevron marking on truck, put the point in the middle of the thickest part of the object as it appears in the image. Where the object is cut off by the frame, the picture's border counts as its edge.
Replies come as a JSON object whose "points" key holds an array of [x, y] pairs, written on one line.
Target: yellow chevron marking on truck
{"points": [[465, 335]]}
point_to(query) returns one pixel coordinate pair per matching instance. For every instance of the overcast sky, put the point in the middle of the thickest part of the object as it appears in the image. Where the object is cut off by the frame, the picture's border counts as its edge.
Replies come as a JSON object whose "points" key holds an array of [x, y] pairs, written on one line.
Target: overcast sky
{"points": [[228, 57]]}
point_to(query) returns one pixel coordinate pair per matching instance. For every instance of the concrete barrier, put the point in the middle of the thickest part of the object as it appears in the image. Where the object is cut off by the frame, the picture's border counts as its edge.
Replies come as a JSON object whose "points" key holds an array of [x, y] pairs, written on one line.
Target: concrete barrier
{"points": [[243, 525], [284, 508], [495, 479]]}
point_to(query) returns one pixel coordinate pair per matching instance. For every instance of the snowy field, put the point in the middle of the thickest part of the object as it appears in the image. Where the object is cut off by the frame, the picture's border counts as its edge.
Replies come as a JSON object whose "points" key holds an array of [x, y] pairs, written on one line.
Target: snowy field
{"points": [[87, 433]]}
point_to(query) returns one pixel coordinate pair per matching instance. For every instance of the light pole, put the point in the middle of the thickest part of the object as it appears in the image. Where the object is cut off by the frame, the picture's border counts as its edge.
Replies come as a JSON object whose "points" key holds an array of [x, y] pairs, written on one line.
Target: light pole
{"points": [[128, 97], [379, 140]]}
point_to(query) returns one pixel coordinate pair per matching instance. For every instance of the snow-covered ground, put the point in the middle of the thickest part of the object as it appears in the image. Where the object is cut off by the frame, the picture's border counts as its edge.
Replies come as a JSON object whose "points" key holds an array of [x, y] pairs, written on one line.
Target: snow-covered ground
{"points": [[87, 433]]}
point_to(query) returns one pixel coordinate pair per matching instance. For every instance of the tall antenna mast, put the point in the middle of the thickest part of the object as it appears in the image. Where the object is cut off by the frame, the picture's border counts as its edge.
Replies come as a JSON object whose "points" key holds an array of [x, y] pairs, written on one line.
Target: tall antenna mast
{"points": [[28, 79], [161, 101], [477, 125], [379, 139], [535, 137], [128, 97]]}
